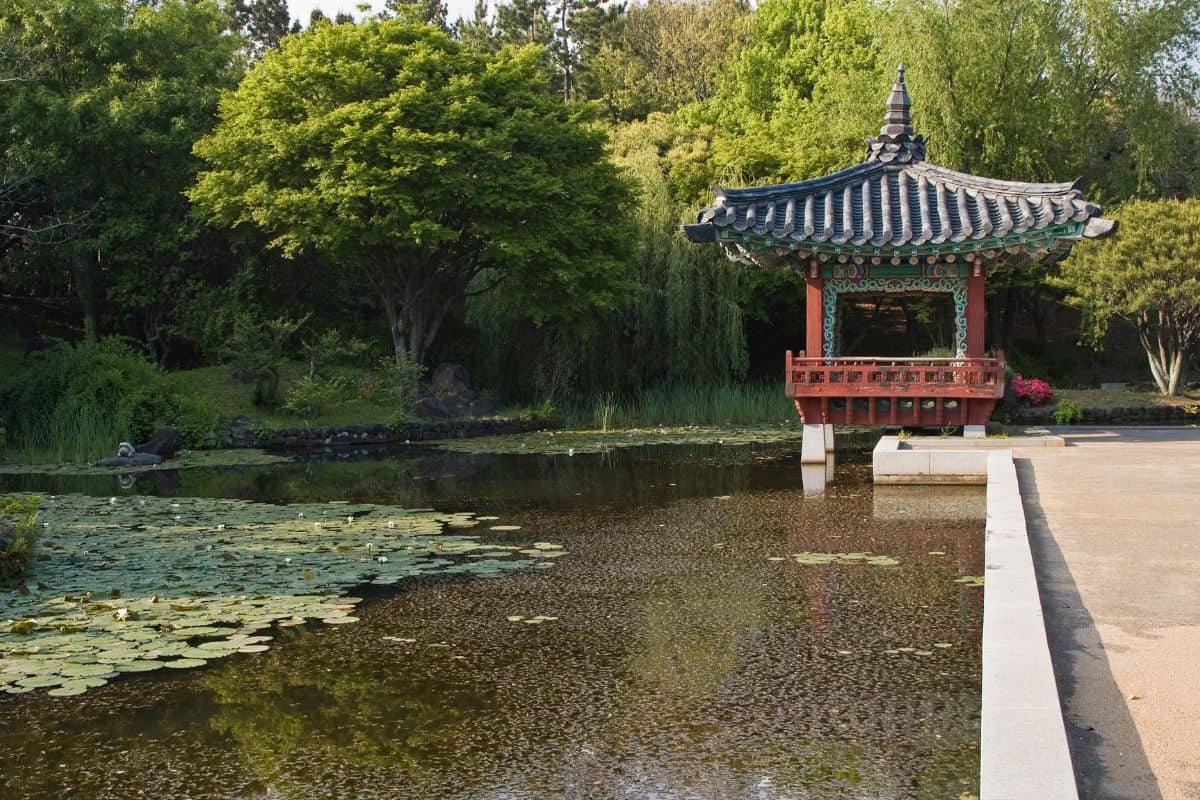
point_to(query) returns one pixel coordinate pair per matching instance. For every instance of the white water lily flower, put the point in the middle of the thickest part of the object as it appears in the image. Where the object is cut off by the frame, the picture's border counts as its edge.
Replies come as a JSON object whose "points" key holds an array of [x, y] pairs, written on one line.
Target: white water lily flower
{"points": [[112, 501], [382, 559], [121, 614], [349, 520], [221, 527], [300, 515], [391, 523]]}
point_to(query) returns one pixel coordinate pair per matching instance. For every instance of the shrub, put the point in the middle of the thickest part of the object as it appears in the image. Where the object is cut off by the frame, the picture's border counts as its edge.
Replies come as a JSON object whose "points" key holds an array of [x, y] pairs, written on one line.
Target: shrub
{"points": [[401, 377], [308, 397], [1033, 391], [1068, 412], [254, 348], [16, 546], [76, 403]]}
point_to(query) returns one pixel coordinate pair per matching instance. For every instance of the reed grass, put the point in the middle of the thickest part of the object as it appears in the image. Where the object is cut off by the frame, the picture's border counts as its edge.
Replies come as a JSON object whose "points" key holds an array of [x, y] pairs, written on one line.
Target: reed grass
{"points": [[734, 404], [77, 436]]}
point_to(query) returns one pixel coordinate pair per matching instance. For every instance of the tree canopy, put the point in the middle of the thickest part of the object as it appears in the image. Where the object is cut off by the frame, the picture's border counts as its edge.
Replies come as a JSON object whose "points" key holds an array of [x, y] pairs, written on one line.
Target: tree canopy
{"points": [[422, 169], [100, 123], [1149, 274]]}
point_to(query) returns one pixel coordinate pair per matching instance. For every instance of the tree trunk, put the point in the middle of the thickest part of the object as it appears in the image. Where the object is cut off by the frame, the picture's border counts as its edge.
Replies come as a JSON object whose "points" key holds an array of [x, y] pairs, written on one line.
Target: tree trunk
{"points": [[85, 290]]}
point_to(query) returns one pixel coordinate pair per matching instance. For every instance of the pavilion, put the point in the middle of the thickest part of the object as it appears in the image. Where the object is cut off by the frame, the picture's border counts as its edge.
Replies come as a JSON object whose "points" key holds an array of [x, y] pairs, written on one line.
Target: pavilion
{"points": [[896, 224]]}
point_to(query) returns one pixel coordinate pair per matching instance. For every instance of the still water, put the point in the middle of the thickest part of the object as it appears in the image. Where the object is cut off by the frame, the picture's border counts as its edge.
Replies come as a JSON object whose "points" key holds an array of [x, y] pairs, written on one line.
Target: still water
{"points": [[683, 653]]}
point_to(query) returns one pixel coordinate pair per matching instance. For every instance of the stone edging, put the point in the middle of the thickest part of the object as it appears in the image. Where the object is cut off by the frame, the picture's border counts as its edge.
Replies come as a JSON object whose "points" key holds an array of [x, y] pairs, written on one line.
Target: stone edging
{"points": [[1121, 415], [360, 435], [1023, 741]]}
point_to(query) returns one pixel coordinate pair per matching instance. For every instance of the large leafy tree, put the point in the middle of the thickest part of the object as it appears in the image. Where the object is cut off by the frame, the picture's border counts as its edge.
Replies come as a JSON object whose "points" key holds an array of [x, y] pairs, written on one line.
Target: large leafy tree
{"points": [[1148, 272], [665, 54], [418, 165], [262, 22], [100, 124]]}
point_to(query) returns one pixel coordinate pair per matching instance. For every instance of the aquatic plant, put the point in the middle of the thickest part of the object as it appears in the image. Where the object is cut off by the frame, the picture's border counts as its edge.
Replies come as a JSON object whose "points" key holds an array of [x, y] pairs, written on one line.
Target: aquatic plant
{"points": [[137, 584]]}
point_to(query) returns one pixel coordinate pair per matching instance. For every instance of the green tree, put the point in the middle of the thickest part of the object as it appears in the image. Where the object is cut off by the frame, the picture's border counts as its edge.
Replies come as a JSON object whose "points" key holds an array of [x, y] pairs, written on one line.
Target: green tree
{"points": [[1050, 90], [1148, 272], [425, 12], [416, 165], [667, 53], [263, 23], [478, 32], [800, 96], [102, 123]]}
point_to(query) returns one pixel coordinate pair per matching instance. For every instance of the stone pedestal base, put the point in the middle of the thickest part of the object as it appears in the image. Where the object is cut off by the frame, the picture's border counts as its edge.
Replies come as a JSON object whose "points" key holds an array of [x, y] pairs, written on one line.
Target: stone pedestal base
{"points": [[817, 441], [974, 431]]}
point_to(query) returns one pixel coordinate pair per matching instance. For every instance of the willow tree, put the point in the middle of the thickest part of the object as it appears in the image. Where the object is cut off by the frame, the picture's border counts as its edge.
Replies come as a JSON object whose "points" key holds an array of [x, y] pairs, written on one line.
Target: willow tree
{"points": [[416, 165], [1149, 274]]}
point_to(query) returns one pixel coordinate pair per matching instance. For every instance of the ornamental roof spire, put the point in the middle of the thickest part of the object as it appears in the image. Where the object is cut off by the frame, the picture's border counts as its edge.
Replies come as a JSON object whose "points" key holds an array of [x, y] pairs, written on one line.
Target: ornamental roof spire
{"points": [[897, 119], [896, 141]]}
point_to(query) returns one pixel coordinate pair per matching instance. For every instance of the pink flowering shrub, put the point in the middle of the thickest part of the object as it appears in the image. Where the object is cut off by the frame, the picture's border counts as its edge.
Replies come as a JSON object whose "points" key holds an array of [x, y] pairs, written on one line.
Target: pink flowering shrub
{"points": [[1033, 391]]}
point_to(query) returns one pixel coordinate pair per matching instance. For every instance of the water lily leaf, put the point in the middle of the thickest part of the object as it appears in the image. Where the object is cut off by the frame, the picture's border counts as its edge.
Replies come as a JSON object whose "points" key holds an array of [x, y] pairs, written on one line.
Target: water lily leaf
{"points": [[184, 663], [69, 689], [41, 681], [171, 581]]}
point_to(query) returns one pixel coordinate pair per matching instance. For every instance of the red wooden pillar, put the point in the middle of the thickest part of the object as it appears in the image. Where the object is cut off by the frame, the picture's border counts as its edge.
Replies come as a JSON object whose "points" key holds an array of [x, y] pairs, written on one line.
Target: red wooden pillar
{"points": [[814, 309], [976, 312]]}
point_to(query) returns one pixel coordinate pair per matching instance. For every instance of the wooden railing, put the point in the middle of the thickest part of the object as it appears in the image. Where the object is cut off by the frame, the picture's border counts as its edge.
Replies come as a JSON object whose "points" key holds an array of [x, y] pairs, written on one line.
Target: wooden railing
{"points": [[895, 391], [894, 377]]}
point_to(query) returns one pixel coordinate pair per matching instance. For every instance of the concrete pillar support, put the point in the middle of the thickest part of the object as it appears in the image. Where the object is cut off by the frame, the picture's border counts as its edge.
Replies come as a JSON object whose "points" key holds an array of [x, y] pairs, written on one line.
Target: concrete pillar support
{"points": [[817, 442]]}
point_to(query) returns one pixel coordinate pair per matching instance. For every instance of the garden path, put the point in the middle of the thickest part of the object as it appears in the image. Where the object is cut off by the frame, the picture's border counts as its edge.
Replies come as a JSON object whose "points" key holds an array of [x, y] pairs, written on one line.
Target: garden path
{"points": [[1114, 519]]}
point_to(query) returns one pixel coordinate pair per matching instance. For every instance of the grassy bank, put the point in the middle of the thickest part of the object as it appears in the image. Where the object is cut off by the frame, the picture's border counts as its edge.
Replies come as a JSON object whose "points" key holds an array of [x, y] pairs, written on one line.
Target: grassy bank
{"points": [[1125, 398], [740, 404]]}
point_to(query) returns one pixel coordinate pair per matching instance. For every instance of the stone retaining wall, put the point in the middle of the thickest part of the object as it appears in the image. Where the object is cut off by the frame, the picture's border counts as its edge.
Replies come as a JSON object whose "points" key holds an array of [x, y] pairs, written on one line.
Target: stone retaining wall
{"points": [[1132, 415], [358, 435]]}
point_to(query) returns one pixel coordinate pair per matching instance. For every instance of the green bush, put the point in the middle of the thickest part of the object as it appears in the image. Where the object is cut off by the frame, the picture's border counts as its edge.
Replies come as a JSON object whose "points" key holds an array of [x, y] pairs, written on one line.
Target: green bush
{"points": [[308, 397], [401, 374], [75, 403], [1068, 412], [21, 512]]}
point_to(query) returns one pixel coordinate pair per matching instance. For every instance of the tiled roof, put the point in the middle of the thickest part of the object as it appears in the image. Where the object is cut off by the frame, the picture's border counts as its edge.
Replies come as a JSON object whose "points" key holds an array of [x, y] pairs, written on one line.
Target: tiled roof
{"points": [[896, 199]]}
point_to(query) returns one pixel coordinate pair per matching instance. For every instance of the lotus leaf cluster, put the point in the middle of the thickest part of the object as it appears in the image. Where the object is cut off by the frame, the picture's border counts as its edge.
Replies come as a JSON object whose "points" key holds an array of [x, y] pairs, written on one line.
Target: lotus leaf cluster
{"points": [[820, 559], [136, 584]]}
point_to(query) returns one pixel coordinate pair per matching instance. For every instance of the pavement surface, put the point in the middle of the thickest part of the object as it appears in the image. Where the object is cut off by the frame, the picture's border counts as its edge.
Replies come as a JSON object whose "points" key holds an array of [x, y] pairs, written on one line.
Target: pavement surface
{"points": [[1114, 521]]}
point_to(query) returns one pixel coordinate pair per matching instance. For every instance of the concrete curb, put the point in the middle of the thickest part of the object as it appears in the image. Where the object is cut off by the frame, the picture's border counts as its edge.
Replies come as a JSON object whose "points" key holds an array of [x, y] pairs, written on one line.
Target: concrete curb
{"points": [[1023, 741]]}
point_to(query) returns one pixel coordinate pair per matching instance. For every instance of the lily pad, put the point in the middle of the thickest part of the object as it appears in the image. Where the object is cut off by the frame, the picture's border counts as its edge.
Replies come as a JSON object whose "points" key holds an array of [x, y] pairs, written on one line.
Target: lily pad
{"points": [[178, 582]]}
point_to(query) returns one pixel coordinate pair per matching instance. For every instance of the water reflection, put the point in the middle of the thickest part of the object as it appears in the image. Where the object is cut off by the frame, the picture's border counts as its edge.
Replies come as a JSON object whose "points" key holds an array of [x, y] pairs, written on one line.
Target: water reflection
{"points": [[684, 662]]}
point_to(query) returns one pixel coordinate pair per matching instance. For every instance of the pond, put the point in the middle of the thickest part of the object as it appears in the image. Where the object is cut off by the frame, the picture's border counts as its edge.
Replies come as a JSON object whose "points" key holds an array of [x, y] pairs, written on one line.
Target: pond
{"points": [[709, 632]]}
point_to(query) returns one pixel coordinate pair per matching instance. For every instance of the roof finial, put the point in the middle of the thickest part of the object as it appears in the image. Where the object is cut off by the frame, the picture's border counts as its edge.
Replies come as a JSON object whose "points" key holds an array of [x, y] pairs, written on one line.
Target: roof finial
{"points": [[896, 141], [897, 120]]}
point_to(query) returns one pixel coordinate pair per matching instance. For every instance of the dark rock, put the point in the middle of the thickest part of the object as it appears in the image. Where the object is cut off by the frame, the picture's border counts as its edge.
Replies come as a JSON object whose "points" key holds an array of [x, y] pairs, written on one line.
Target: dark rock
{"points": [[164, 443], [427, 405], [451, 379], [135, 460]]}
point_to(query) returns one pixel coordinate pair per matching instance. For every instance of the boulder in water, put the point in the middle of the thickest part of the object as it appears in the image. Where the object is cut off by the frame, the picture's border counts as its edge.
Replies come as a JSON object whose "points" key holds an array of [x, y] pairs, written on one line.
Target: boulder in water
{"points": [[164, 443]]}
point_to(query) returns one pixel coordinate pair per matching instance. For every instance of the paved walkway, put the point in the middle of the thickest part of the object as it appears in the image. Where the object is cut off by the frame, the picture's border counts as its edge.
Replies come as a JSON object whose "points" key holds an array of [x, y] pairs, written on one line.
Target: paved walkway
{"points": [[1114, 519]]}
